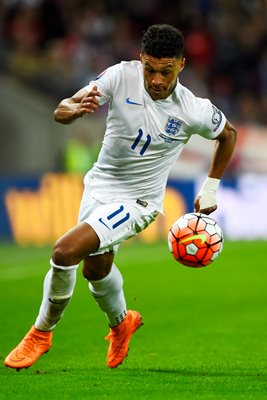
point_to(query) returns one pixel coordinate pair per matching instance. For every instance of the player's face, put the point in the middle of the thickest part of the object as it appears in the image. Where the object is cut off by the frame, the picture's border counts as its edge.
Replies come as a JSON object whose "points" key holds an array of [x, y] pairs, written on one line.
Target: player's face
{"points": [[160, 75]]}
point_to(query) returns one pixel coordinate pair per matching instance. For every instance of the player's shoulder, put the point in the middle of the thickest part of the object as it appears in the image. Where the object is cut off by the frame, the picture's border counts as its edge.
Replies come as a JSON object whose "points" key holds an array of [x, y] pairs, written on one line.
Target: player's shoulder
{"points": [[185, 93], [201, 113], [131, 64], [190, 101], [131, 67], [124, 69]]}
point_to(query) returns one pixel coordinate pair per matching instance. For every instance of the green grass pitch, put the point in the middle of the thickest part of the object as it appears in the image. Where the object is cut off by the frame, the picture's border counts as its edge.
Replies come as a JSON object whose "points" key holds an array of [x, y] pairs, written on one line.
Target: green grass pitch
{"points": [[204, 334]]}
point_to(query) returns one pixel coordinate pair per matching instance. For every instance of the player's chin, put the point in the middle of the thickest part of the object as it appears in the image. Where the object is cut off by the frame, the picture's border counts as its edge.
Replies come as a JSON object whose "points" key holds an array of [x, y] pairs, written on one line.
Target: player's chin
{"points": [[157, 94]]}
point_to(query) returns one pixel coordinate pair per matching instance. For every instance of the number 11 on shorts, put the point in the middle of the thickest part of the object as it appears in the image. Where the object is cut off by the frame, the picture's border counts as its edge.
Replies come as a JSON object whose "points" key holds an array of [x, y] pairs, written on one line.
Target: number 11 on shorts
{"points": [[119, 213]]}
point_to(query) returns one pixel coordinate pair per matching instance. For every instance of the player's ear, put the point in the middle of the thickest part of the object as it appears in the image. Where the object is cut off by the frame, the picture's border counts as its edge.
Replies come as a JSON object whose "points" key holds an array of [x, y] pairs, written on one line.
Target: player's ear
{"points": [[182, 64]]}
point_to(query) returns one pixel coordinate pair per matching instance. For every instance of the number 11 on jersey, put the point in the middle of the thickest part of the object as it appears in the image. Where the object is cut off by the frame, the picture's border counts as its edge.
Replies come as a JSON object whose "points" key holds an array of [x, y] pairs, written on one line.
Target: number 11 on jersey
{"points": [[137, 140]]}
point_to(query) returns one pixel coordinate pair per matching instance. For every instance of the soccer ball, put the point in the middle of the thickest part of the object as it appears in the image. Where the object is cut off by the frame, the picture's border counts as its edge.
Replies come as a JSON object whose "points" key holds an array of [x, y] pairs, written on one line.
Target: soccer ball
{"points": [[195, 240]]}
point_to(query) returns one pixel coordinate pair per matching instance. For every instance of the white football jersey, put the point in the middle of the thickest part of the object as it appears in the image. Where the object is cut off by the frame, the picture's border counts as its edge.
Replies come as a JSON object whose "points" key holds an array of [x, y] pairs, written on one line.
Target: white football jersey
{"points": [[144, 137]]}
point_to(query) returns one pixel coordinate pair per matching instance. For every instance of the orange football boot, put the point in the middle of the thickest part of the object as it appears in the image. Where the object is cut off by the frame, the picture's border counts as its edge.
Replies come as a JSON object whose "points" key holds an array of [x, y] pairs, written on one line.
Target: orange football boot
{"points": [[120, 336], [32, 346]]}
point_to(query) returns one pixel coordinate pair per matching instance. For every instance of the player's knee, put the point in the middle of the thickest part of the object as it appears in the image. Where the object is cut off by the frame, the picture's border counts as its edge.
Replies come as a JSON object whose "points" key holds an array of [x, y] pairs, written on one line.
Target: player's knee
{"points": [[64, 254]]}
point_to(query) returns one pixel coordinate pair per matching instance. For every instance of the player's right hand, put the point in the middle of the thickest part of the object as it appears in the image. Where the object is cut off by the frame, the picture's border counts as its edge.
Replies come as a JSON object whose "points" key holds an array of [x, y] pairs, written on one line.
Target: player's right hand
{"points": [[89, 103]]}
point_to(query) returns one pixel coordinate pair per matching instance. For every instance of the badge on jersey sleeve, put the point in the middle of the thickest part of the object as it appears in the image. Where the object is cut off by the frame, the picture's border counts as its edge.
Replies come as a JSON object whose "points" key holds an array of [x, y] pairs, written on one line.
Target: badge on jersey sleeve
{"points": [[172, 129], [216, 118]]}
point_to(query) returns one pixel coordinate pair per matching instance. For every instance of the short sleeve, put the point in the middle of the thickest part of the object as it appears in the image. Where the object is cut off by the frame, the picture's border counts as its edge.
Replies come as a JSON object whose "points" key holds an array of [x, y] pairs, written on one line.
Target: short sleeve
{"points": [[105, 82], [213, 120]]}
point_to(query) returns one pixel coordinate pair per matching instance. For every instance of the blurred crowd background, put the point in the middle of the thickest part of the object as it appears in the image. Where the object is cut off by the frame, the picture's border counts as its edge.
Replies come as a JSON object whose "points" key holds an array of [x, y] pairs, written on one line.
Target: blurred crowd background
{"points": [[57, 46], [51, 48]]}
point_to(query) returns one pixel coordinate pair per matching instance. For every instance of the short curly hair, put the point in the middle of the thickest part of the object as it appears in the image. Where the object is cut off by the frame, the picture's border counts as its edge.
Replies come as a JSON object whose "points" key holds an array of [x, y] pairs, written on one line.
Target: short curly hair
{"points": [[163, 40]]}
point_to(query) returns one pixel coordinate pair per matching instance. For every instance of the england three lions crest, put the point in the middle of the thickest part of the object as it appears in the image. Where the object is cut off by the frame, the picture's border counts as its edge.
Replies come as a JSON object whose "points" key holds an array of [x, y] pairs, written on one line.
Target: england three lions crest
{"points": [[173, 126]]}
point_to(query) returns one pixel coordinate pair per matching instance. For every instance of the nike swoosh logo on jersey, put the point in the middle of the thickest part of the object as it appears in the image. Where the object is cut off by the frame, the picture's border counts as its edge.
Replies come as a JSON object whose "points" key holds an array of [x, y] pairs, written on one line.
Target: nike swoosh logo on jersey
{"points": [[128, 101], [102, 222], [201, 237]]}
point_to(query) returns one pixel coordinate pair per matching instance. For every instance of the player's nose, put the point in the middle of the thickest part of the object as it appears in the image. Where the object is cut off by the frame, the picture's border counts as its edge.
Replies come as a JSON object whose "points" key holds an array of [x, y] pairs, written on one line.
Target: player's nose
{"points": [[157, 80]]}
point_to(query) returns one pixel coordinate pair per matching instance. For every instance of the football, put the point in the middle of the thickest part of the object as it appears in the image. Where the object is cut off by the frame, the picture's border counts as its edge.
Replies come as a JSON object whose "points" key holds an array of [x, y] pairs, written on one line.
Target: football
{"points": [[195, 240]]}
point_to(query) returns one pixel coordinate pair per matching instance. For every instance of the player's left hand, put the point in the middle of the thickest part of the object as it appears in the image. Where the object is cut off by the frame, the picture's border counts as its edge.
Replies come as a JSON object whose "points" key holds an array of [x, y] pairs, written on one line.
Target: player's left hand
{"points": [[205, 204]]}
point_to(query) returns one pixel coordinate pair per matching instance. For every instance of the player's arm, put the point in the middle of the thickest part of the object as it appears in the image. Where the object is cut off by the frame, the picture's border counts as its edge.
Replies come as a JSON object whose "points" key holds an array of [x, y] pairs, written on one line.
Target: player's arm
{"points": [[206, 198], [81, 103]]}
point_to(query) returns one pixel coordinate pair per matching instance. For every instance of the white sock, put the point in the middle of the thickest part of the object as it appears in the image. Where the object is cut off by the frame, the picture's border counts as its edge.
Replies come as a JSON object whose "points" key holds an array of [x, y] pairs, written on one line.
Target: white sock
{"points": [[109, 295], [58, 287]]}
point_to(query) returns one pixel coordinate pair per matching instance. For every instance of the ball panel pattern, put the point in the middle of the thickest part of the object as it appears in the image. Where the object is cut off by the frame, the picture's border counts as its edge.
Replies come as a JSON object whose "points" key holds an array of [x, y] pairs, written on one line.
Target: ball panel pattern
{"points": [[195, 240]]}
